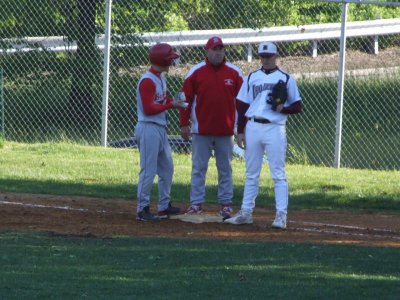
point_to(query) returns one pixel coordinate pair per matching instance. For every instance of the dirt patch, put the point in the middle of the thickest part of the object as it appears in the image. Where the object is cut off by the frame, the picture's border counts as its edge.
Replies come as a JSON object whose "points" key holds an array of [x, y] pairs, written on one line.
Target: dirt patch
{"points": [[355, 60], [92, 217]]}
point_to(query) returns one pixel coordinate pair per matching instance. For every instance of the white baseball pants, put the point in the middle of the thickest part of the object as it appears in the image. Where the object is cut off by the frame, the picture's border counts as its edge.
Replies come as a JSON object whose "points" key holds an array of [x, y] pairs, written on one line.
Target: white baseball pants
{"points": [[270, 139]]}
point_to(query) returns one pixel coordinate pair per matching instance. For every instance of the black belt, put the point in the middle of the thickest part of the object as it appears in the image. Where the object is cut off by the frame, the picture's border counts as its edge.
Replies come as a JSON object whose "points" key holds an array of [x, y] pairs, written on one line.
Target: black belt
{"points": [[262, 121]]}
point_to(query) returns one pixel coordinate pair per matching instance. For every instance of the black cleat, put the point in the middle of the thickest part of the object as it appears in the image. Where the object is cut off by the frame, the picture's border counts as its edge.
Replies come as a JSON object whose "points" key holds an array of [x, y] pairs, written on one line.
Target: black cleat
{"points": [[146, 215], [169, 211]]}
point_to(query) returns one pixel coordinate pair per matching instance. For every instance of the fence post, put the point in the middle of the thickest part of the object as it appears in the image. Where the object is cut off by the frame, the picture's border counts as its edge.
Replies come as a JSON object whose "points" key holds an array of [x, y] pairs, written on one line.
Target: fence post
{"points": [[339, 108], [314, 48], [249, 53], [2, 103], [106, 75]]}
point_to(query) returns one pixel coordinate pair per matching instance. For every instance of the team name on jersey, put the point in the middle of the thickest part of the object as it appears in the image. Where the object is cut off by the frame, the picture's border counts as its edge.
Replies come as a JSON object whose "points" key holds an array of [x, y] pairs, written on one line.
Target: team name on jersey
{"points": [[258, 89], [159, 99]]}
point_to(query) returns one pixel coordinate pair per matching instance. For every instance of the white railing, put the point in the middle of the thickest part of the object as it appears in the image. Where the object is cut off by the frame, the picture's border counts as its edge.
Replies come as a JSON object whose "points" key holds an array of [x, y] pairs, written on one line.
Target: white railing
{"points": [[314, 33]]}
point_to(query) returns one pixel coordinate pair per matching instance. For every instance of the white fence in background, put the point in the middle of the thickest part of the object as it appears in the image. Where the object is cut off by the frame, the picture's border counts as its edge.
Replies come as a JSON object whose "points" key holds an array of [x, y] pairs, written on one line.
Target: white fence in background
{"points": [[314, 33]]}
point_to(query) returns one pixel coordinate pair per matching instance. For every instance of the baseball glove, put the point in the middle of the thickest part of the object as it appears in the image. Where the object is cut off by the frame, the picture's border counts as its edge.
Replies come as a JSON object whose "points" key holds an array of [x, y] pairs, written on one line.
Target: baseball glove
{"points": [[278, 95]]}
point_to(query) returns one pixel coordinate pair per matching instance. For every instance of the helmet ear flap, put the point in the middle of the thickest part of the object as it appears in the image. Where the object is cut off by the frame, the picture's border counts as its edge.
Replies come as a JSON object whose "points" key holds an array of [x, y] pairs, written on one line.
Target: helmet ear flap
{"points": [[162, 54]]}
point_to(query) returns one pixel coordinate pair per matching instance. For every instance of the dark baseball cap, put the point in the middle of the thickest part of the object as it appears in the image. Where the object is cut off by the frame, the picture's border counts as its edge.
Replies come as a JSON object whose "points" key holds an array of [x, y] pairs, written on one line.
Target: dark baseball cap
{"points": [[213, 42]]}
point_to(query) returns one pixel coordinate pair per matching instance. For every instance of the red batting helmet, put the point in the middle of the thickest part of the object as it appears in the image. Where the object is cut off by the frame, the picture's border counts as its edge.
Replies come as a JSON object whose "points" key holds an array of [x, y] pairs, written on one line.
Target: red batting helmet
{"points": [[162, 55]]}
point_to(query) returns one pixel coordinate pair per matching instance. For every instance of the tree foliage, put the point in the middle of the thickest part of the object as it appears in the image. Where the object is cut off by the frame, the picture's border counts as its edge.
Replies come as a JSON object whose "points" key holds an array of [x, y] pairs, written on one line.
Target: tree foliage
{"points": [[22, 18]]}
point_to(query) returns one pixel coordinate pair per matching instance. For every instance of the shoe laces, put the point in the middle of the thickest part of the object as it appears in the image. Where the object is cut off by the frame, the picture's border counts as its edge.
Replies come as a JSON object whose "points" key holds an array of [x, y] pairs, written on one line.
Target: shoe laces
{"points": [[243, 213], [194, 208], [280, 216], [280, 219], [226, 208]]}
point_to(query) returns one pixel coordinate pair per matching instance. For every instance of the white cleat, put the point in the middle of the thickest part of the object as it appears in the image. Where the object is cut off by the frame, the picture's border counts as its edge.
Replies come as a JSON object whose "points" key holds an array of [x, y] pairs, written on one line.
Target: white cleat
{"points": [[242, 217], [280, 221]]}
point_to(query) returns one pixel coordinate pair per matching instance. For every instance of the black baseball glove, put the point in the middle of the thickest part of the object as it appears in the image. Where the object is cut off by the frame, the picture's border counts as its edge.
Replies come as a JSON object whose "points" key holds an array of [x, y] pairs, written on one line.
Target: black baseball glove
{"points": [[278, 95]]}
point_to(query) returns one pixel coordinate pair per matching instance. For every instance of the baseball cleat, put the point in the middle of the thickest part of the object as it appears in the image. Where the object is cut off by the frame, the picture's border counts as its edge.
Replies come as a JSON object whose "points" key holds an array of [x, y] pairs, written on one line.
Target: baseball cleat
{"points": [[242, 217], [280, 221], [194, 209], [164, 214], [226, 211], [146, 215]]}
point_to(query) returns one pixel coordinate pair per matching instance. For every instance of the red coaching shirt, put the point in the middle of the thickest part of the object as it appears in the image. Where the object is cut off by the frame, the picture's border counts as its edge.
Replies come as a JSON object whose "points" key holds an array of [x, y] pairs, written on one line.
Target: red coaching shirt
{"points": [[211, 92]]}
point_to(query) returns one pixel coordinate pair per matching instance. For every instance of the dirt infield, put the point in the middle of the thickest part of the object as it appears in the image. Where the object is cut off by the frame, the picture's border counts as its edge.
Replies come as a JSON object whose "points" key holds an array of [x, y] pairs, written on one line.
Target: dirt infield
{"points": [[92, 217]]}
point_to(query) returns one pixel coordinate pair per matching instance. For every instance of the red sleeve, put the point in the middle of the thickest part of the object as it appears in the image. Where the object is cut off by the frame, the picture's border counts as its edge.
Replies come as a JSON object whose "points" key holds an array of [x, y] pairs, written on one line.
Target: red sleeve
{"points": [[241, 109], [294, 108], [147, 90], [169, 100], [188, 89]]}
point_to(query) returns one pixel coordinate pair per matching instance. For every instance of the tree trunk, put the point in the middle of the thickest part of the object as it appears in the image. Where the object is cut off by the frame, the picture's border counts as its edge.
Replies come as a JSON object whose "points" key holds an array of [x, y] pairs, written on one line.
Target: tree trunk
{"points": [[81, 96]]}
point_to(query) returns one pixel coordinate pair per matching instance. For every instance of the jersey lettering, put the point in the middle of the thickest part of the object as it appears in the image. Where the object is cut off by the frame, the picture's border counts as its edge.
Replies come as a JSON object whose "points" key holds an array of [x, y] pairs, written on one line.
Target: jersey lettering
{"points": [[258, 89], [159, 99]]}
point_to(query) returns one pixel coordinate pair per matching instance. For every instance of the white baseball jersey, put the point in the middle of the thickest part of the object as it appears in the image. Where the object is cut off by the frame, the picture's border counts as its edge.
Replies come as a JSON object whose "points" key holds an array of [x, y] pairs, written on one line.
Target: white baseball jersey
{"points": [[255, 91]]}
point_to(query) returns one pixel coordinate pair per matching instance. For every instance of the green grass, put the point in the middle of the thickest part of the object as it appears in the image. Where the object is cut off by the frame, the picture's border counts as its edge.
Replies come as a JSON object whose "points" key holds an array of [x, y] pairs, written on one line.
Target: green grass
{"points": [[48, 266], [71, 169], [38, 266]]}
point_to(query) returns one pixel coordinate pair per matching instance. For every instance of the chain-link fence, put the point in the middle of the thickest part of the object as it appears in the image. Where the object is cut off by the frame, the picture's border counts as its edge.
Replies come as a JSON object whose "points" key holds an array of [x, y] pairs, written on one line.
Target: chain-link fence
{"points": [[53, 61]]}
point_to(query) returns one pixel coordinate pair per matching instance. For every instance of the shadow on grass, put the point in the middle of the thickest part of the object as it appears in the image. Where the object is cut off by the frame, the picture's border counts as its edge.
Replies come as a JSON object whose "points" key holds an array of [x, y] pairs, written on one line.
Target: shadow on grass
{"points": [[43, 266], [326, 197], [68, 188]]}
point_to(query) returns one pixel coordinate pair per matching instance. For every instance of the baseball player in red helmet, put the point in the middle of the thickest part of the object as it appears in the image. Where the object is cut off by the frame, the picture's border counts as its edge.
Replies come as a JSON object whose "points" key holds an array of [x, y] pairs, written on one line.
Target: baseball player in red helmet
{"points": [[211, 88], [261, 129], [151, 134]]}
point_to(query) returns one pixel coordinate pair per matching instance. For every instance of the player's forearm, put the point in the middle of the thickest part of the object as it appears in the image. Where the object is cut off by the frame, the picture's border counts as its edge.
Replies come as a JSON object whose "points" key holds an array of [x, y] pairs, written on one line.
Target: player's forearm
{"points": [[153, 109], [294, 108], [241, 109]]}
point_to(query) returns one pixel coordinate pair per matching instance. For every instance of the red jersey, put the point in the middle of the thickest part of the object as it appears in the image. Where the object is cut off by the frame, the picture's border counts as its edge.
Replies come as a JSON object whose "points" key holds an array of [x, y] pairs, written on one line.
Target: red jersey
{"points": [[211, 92]]}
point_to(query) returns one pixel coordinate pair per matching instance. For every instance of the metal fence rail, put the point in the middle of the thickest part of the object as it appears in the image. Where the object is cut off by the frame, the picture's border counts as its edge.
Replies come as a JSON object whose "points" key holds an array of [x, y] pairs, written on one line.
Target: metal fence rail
{"points": [[53, 92], [236, 36]]}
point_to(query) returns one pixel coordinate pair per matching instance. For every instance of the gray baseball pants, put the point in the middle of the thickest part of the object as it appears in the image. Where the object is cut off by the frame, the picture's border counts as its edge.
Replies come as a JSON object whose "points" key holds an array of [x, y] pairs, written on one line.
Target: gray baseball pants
{"points": [[155, 159], [202, 148]]}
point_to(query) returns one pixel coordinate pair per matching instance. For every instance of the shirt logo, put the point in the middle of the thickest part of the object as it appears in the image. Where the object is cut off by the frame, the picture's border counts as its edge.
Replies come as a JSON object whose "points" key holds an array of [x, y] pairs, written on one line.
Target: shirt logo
{"points": [[228, 81], [159, 99]]}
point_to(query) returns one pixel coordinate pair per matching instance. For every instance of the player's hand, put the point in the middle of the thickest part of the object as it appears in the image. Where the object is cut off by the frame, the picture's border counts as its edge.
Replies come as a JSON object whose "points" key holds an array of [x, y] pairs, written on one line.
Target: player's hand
{"points": [[180, 104], [279, 108], [179, 100], [185, 133], [241, 140]]}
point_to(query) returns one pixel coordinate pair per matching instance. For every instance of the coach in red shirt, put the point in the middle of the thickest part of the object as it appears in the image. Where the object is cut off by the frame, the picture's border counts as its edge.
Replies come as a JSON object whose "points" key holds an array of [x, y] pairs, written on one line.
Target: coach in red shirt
{"points": [[210, 88]]}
